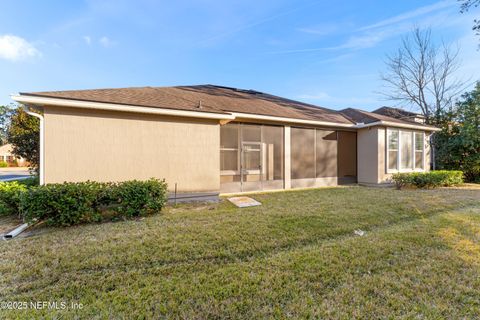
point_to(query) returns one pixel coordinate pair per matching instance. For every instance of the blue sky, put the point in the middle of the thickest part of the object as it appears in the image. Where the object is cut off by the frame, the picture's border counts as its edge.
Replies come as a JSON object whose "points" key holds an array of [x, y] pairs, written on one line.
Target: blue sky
{"points": [[323, 52]]}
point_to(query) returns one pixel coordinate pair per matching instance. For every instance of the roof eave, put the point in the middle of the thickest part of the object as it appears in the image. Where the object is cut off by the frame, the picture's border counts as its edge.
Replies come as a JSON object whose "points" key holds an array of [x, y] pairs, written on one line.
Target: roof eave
{"points": [[397, 125], [224, 117], [42, 101], [249, 116]]}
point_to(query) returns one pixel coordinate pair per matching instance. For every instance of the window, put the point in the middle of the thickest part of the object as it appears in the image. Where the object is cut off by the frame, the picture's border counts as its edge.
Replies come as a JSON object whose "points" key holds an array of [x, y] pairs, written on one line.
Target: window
{"points": [[405, 150], [419, 137], [406, 153], [392, 149]]}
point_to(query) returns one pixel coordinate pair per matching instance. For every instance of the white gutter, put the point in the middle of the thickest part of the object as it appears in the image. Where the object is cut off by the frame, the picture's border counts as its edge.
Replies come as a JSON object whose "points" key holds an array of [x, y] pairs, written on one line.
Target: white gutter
{"points": [[292, 120], [41, 169], [116, 107], [397, 125]]}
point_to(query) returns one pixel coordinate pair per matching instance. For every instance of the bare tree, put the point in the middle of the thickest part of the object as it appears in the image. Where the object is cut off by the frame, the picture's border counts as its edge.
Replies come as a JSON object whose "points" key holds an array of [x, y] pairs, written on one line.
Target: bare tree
{"points": [[421, 75]]}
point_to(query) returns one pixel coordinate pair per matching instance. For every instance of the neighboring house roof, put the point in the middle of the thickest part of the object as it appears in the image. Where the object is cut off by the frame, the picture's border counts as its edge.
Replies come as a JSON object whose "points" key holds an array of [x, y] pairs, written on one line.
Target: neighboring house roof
{"points": [[213, 101], [203, 98], [397, 113]]}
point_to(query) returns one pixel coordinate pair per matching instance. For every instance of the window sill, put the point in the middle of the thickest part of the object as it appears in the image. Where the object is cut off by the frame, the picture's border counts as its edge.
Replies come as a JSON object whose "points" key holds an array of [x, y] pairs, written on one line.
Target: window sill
{"points": [[405, 170]]}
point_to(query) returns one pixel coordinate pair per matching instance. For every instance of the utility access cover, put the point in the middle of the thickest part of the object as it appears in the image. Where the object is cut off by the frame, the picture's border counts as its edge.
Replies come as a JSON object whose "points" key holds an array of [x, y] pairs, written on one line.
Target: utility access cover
{"points": [[243, 202]]}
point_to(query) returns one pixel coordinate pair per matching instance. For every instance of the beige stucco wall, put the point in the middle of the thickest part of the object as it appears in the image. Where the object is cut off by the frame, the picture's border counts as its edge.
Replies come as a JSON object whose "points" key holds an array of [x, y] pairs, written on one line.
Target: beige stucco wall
{"points": [[371, 155], [96, 145], [383, 176], [368, 149]]}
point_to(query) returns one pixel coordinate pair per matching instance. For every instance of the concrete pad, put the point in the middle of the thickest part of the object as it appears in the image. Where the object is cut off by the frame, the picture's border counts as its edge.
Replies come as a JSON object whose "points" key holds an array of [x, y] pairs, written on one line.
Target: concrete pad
{"points": [[244, 202]]}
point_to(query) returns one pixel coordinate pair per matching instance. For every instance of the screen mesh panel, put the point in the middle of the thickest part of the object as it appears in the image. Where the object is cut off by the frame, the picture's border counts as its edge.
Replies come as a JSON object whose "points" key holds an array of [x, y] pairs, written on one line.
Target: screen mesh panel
{"points": [[302, 153]]}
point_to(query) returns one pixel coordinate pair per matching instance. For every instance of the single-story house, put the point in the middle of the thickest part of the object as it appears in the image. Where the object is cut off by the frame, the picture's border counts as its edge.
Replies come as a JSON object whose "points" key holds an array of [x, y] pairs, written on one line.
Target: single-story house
{"points": [[6, 155], [218, 139]]}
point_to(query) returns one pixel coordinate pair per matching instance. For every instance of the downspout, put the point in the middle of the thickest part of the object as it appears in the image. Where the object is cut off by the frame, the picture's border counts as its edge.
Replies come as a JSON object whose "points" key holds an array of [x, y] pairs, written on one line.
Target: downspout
{"points": [[41, 169]]}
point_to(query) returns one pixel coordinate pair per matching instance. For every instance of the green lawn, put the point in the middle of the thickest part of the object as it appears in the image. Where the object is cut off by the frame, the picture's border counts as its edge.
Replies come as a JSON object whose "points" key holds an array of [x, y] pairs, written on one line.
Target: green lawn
{"points": [[295, 256]]}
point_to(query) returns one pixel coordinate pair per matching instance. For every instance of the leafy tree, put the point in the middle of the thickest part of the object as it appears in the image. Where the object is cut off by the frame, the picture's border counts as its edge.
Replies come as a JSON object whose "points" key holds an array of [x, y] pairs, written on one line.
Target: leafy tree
{"points": [[23, 133], [459, 141], [5, 115], [467, 5]]}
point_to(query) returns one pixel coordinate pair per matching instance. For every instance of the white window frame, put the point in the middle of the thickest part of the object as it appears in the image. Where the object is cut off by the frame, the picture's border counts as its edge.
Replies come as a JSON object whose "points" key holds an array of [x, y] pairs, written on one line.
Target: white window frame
{"points": [[415, 151], [399, 155], [387, 151]]}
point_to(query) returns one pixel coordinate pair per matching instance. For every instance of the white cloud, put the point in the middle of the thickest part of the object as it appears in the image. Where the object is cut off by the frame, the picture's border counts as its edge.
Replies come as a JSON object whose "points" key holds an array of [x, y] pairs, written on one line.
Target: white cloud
{"points": [[320, 30], [106, 42], [411, 14], [468, 57], [87, 40], [433, 16], [323, 97], [315, 96], [253, 24], [438, 14], [362, 42], [15, 48]]}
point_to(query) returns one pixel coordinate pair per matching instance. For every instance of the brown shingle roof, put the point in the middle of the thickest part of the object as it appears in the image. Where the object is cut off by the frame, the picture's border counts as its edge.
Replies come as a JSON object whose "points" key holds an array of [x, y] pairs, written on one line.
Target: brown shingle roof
{"points": [[211, 99], [397, 113], [361, 116]]}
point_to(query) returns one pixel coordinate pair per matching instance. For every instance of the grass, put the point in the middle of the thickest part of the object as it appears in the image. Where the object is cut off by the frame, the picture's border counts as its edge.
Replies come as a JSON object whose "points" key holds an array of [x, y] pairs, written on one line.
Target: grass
{"points": [[8, 223], [293, 257]]}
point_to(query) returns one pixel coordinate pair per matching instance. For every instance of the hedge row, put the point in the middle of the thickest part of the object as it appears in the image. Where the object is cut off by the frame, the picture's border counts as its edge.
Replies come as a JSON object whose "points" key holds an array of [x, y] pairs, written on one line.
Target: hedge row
{"points": [[72, 203], [10, 193], [431, 179]]}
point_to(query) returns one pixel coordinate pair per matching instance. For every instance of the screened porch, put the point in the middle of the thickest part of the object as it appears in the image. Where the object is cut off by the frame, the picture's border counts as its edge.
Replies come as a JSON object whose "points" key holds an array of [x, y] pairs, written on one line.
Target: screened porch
{"points": [[256, 157]]}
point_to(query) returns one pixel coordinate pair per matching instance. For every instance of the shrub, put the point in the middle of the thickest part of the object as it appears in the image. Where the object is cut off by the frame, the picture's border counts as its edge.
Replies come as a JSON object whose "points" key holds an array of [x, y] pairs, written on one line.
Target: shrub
{"points": [[62, 204], [30, 182], [137, 198], [73, 203], [3, 164], [431, 179], [10, 193]]}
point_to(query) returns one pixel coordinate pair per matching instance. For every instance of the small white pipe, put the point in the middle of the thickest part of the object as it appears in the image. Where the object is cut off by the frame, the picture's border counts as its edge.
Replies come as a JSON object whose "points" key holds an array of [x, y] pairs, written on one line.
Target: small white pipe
{"points": [[15, 232], [41, 168]]}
